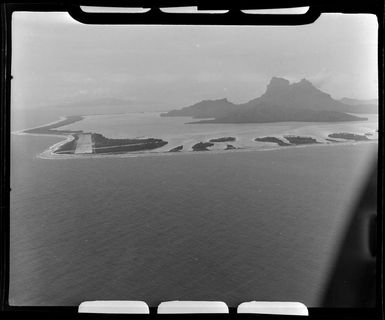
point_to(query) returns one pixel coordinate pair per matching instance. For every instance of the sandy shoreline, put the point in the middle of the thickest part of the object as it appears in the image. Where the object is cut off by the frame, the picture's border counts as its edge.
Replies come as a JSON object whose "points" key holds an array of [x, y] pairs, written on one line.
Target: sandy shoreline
{"points": [[52, 156], [219, 148]]}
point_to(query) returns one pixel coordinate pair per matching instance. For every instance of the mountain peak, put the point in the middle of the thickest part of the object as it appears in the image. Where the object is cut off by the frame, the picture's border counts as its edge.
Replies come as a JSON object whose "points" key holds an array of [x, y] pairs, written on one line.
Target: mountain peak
{"points": [[298, 94], [277, 85], [278, 82], [282, 101], [305, 82]]}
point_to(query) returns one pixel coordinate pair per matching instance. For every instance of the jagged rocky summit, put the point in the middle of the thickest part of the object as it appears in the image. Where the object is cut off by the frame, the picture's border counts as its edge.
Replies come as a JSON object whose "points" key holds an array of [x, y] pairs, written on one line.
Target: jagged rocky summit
{"points": [[282, 101]]}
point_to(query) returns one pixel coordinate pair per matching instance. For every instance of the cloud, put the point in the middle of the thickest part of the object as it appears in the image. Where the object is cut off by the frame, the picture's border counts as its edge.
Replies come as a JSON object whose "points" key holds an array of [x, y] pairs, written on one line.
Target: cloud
{"points": [[321, 78]]}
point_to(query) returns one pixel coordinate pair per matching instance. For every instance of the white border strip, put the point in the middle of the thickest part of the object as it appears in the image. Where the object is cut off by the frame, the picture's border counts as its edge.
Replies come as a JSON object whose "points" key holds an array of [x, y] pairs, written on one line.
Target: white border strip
{"points": [[123, 307], [189, 307], [273, 307]]}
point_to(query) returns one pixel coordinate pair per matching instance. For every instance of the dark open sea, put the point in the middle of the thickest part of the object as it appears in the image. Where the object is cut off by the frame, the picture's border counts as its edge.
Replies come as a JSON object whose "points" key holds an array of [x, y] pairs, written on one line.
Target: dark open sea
{"points": [[259, 225]]}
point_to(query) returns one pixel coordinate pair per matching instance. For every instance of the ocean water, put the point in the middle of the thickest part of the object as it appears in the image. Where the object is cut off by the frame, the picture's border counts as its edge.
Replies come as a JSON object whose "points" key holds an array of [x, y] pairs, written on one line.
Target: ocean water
{"points": [[237, 226]]}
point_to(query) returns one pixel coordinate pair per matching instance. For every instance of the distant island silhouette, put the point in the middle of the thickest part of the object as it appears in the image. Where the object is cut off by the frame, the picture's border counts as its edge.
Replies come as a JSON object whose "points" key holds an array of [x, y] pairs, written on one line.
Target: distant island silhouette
{"points": [[282, 101]]}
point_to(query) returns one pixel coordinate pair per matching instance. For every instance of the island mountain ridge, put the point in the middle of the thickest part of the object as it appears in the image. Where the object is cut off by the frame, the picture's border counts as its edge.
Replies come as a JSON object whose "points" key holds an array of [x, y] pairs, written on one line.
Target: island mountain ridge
{"points": [[282, 101]]}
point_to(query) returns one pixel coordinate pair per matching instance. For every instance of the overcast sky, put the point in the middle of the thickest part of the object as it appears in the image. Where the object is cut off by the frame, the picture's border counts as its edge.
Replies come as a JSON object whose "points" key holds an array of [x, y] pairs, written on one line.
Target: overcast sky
{"points": [[56, 60]]}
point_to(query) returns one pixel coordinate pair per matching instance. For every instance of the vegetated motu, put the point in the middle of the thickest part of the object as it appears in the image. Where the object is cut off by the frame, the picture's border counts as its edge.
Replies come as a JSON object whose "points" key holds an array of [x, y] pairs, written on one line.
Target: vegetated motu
{"points": [[105, 145], [282, 101], [300, 140], [273, 139], [202, 146], [349, 136], [176, 149], [224, 139]]}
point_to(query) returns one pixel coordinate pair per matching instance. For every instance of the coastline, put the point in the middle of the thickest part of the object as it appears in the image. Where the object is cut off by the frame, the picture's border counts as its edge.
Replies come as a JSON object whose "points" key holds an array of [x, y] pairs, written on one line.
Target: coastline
{"points": [[46, 129], [47, 155], [51, 153]]}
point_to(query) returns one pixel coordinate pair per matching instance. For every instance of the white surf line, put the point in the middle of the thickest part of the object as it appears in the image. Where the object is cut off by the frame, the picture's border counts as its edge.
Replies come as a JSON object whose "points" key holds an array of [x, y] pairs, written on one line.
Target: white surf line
{"points": [[52, 149], [55, 156], [21, 132], [61, 118], [56, 146], [50, 153]]}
